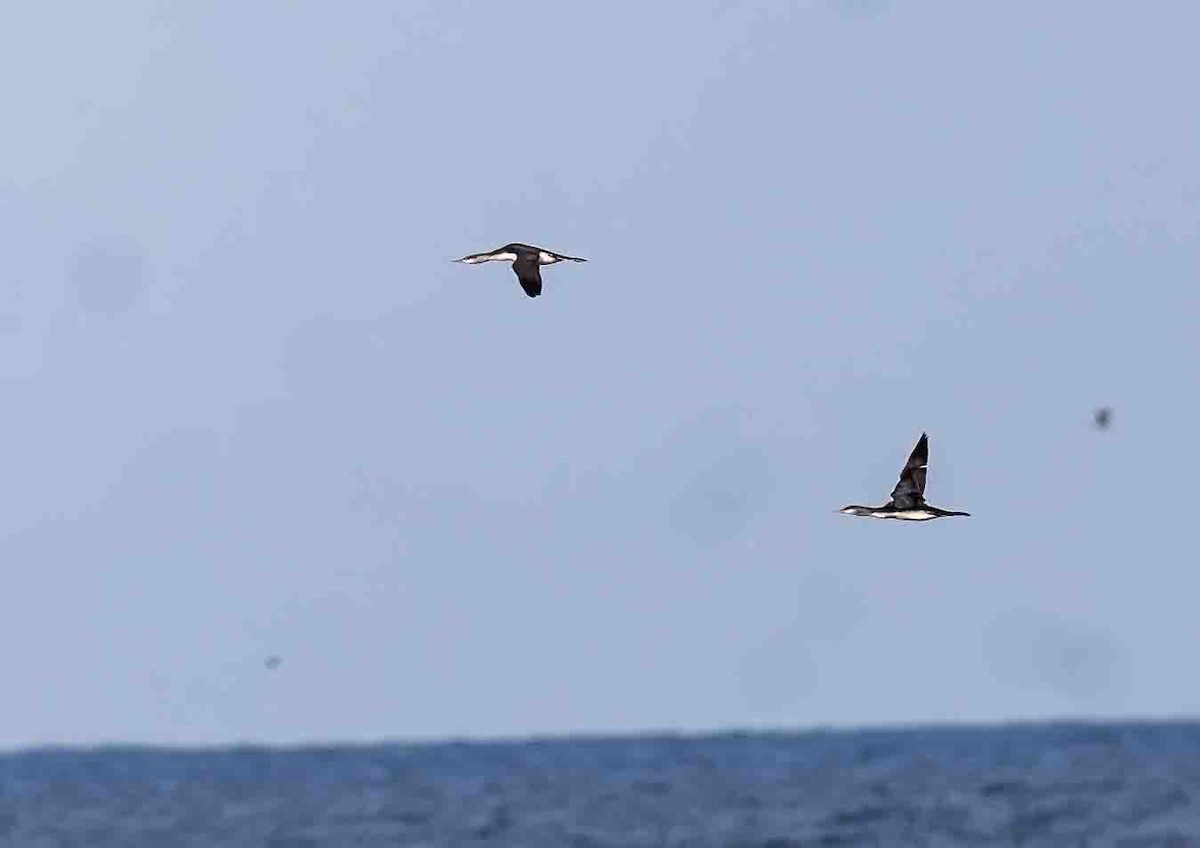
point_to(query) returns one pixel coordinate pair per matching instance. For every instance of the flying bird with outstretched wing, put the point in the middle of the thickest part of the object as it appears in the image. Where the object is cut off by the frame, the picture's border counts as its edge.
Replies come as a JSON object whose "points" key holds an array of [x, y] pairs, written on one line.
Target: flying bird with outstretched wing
{"points": [[908, 498], [527, 262]]}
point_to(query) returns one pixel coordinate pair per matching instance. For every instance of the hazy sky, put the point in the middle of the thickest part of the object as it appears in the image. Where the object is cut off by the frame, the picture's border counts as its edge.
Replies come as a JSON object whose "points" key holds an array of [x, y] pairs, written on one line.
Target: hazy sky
{"points": [[252, 408]]}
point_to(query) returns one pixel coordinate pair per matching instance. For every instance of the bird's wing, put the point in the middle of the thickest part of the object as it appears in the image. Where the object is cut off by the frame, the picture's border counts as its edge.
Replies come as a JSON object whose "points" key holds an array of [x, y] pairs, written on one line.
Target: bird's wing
{"points": [[529, 273], [910, 491]]}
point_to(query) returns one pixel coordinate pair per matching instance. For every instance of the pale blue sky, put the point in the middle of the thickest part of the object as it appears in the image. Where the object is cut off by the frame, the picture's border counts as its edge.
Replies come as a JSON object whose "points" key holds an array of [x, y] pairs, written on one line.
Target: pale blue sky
{"points": [[252, 408]]}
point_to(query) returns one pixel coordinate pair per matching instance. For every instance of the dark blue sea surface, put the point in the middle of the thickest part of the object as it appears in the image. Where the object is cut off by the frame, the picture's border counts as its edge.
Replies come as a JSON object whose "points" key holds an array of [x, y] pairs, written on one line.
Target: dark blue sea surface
{"points": [[1053, 785]]}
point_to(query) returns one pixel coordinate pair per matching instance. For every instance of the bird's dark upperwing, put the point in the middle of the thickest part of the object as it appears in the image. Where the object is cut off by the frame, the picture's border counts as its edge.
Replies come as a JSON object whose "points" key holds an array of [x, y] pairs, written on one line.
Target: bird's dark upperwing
{"points": [[910, 491], [529, 273]]}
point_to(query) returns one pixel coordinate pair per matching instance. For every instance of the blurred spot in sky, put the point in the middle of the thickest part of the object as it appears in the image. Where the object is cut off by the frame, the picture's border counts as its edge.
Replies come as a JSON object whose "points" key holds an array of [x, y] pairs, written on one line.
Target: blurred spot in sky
{"points": [[108, 276], [1070, 659], [791, 660]]}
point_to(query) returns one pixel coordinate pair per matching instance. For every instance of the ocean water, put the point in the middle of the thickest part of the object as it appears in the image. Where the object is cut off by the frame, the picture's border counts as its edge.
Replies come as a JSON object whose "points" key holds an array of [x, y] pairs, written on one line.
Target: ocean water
{"points": [[1134, 785]]}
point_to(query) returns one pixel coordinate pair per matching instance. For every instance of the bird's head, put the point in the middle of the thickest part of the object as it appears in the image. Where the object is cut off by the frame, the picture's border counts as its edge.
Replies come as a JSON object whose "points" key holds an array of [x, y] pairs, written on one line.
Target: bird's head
{"points": [[854, 509]]}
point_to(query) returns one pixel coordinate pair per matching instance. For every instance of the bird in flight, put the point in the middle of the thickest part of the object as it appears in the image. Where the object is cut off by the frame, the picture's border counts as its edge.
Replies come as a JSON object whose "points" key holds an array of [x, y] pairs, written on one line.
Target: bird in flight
{"points": [[1102, 417], [908, 498], [527, 262]]}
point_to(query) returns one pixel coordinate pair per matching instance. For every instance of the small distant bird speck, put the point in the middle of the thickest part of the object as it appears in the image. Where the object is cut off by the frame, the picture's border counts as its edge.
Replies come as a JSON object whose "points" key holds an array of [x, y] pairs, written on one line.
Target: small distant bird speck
{"points": [[1102, 417], [273, 663], [908, 498], [527, 262]]}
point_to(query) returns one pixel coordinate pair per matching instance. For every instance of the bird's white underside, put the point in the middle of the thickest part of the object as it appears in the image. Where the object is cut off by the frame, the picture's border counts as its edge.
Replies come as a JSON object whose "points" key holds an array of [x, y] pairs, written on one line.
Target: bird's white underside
{"points": [[490, 257], [544, 258]]}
